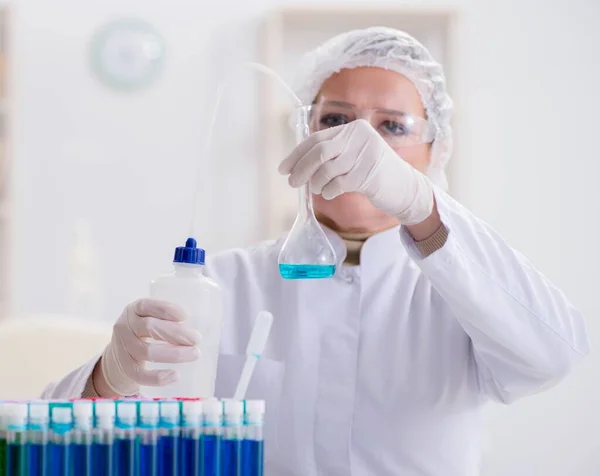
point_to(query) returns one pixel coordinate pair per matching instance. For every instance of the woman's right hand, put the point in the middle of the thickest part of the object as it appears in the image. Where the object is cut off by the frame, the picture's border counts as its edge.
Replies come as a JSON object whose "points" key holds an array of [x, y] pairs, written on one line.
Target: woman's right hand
{"points": [[121, 370]]}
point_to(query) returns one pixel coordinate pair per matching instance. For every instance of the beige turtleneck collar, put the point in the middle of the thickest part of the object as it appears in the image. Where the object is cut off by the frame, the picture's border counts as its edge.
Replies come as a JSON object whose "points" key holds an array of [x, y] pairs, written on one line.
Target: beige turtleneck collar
{"points": [[354, 242]]}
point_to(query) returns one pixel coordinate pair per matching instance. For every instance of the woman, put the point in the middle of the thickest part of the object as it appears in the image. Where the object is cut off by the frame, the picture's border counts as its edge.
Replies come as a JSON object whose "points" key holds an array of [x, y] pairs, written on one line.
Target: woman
{"points": [[385, 368]]}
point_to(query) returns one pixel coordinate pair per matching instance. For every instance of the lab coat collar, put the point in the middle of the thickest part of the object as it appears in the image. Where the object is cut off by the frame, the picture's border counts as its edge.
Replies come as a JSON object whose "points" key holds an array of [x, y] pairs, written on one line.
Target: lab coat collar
{"points": [[379, 249]]}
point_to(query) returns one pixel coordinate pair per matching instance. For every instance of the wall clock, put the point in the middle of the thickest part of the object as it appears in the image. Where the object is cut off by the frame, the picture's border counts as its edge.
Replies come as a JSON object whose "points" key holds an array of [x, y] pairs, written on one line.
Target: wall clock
{"points": [[127, 54]]}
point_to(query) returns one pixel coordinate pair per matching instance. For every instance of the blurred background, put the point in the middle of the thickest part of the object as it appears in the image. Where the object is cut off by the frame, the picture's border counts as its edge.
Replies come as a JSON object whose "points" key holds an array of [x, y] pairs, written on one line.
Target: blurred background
{"points": [[100, 145]]}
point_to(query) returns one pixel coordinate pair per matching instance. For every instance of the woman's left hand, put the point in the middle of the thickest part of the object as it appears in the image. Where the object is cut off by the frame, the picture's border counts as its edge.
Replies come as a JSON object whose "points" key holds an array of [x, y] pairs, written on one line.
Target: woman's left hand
{"points": [[355, 158]]}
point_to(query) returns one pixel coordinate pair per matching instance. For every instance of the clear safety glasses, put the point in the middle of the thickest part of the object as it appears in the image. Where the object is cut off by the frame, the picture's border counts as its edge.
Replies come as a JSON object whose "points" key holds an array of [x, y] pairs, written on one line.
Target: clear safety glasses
{"points": [[397, 128]]}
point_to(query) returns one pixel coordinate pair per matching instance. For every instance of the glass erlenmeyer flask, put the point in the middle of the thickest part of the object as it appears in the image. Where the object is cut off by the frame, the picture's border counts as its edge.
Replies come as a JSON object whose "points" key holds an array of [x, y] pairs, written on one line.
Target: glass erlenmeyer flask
{"points": [[306, 252]]}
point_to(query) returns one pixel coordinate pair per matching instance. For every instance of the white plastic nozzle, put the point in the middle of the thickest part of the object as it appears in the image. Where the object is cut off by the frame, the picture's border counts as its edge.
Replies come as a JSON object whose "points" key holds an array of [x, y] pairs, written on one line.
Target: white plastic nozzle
{"points": [[191, 408], [127, 413], [39, 411], [149, 412], [105, 409], [212, 406], [233, 410], [191, 411], [83, 411], [105, 414], [62, 415], [169, 411], [213, 411], [255, 411], [255, 348], [16, 414], [233, 407]]}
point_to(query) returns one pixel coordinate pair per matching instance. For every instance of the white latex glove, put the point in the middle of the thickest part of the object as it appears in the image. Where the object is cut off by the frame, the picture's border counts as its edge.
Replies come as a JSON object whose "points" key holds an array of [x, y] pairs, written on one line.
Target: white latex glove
{"points": [[355, 158], [124, 358]]}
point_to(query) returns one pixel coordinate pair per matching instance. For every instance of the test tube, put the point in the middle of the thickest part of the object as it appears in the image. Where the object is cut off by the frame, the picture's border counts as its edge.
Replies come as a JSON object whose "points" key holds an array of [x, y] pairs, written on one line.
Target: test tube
{"points": [[3, 431], [211, 452], [124, 443], [231, 443], [16, 438], [148, 438], [253, 444], [38, 455], [168, 442], [191, 438], [61, 423], [103, 438], [82, 437]]}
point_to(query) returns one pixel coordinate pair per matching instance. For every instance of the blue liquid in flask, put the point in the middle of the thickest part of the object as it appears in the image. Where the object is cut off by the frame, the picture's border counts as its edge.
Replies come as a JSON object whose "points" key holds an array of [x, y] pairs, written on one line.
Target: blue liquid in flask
{"points": [[306, 271]]}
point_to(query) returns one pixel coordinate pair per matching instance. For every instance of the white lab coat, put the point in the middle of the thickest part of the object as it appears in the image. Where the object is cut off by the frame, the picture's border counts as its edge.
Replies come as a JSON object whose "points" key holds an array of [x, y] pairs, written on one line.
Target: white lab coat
{"points": [[384, 369]]}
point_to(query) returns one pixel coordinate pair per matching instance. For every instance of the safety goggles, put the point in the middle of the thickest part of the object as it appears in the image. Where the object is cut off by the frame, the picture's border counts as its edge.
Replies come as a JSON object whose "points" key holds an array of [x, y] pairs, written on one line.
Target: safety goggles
{"points": [[397, 128]]}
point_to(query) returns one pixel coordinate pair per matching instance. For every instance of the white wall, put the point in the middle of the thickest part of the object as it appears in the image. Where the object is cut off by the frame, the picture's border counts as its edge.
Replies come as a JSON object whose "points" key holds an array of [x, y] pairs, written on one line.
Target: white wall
{"points": [[528, 164]]}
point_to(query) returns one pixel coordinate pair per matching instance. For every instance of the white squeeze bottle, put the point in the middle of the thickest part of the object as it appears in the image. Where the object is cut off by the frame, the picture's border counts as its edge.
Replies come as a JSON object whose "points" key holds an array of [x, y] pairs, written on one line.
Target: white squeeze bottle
{"points": [[202, 300]]}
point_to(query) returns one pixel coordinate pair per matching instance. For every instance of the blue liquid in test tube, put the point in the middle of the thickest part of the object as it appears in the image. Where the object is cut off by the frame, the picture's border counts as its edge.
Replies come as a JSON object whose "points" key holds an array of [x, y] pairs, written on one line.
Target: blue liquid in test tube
{"points": [[231, 443], [103, 438], [168, 441], [16, 417], [124, 447], [61, 424], [253, 444], [148, 438], [38, 438], [82, 438], [191, 438], [211, 437]]}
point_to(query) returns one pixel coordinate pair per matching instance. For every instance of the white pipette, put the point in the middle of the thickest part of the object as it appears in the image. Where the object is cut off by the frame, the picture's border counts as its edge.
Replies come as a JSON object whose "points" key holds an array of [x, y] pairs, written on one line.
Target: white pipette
{"points": [[256, 345]]}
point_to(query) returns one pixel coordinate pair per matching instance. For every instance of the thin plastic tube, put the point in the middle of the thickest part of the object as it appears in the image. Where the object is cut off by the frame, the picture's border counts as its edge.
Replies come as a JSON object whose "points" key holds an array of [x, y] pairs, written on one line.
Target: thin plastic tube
{"points": [[258, 67]]}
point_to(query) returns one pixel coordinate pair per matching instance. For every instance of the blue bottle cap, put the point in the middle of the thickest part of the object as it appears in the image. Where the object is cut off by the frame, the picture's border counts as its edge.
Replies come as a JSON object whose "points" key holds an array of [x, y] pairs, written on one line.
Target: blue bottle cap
{"points": [[189, 253]]}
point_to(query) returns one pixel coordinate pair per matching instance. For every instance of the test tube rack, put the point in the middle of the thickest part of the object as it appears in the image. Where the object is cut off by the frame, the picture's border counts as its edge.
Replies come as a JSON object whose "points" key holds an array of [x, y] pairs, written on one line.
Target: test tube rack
{"points": [[132, 437]]}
